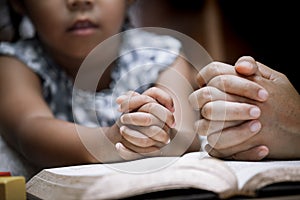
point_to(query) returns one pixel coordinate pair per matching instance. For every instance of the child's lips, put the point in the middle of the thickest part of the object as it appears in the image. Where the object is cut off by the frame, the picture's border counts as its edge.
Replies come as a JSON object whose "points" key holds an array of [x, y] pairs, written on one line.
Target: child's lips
{"points": [[83, 27]]}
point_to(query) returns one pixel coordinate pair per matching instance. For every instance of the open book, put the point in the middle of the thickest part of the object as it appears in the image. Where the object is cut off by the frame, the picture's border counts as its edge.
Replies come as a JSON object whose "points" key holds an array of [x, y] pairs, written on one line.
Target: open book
{"points": [[193, 170]]}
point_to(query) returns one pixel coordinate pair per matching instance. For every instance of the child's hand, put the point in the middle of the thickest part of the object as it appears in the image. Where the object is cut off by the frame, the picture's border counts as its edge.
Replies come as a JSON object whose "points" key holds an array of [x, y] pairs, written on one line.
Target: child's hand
{"points": [[146, 123]]}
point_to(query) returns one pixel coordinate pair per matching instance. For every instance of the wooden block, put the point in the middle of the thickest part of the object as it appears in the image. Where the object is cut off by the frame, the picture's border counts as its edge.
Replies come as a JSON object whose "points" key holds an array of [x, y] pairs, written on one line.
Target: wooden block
{"points": [[12, 188], [5, 174]]}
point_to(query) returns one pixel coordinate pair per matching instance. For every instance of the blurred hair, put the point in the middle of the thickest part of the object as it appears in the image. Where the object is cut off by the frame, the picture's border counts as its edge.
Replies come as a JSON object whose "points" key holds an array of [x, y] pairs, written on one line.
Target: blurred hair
{"points": [[10, 22], [187, 5]]}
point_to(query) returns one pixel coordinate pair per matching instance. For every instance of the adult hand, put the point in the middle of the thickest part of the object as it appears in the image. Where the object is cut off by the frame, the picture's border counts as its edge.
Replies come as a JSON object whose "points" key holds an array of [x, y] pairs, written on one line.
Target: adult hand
{"points": [[277, 129], [222, 101]]}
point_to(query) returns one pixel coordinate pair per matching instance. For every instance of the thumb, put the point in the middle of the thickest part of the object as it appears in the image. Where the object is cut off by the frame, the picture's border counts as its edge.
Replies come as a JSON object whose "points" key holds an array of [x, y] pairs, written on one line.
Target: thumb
{"points": [[246, 65]]}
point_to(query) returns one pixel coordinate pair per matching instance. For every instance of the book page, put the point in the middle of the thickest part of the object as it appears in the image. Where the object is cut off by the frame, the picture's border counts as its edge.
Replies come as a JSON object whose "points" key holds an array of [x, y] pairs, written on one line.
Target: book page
{"points": [[131, 178], [266, 172], [145, 165], [187, 172]]}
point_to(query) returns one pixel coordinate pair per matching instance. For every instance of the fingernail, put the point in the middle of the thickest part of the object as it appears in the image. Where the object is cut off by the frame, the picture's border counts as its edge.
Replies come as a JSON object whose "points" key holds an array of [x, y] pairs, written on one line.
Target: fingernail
{"points": [[118, 146], [118, 100], [122, 119], [262, 153], [246, 64], [255, 112], [263, 94], [169, 140], [121, 98], [122, 129], [255, 127]]}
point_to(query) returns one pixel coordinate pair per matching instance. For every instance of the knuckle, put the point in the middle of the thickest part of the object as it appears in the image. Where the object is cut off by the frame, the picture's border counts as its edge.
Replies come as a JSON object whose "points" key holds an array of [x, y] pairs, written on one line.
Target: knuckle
{"points": [[222, 81], [206, 93], [145, 98], [151, 107], [248, 85], [159, 134], [164, 137], [153, 90], [124, 119], [206, 111], [147, 120], [214, 66], [199, 76]]}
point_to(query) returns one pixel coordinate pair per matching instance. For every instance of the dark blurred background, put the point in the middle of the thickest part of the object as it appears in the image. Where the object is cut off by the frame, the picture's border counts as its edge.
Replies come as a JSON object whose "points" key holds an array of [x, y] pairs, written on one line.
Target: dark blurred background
{"points": [[267, 30]]}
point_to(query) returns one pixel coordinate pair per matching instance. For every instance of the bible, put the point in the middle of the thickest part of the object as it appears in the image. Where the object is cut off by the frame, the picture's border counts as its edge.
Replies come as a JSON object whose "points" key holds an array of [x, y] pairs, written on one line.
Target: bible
{"points": [[196, 170]]}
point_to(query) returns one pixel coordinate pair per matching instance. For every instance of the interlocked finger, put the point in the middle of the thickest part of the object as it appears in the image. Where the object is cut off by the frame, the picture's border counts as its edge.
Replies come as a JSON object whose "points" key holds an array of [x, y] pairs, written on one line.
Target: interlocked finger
{"points": [[126, 153], [136, 137], [207, 94], [212, 70], [249, 152], [206, 127], [141, 119], [161, 96], [234, 136], [229, 111], [238, 85], [156, 133], [143, 151], [130, 103], [159, 111], [254, 154]]}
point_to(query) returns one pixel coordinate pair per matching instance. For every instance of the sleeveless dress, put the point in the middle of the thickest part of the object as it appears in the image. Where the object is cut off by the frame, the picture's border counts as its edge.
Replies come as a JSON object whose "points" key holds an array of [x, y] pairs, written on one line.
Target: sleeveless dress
{"points": [[142, 56]]}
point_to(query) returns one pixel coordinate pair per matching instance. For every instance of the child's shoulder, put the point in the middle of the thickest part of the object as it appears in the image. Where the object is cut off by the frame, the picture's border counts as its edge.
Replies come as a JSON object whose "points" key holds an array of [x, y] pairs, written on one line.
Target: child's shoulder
{"points": [[24, 50], [31, 54]]}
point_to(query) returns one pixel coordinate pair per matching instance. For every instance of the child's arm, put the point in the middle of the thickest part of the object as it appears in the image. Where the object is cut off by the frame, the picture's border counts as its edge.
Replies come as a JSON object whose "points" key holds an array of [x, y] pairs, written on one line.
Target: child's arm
{"points": [[31, 128]]}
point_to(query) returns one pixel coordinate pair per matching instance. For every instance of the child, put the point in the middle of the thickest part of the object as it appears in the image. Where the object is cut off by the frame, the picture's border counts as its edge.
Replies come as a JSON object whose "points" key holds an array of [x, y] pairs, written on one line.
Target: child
{"points": [[37, 75], [260, 122]]}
